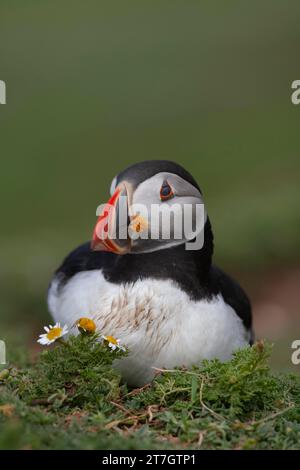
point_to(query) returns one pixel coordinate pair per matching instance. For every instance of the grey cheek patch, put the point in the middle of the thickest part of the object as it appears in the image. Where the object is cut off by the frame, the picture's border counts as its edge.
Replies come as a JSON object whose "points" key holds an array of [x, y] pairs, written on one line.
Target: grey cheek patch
{"points": [[173, 222]]}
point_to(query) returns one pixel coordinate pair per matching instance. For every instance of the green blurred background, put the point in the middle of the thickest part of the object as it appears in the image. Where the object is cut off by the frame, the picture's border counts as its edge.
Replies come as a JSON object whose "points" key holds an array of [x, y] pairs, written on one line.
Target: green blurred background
{"points": [[94, 86]]}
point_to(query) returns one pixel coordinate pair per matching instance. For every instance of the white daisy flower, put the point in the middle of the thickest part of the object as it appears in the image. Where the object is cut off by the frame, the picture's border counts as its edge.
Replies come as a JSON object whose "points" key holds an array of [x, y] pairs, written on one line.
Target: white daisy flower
{"points": [[52, 334], [113, 343]]}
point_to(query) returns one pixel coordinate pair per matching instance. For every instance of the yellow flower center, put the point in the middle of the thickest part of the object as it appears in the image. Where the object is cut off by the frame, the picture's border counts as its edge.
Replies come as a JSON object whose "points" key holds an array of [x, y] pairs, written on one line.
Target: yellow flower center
{"points": [[111, 340], [87, 325], [54, 333]]}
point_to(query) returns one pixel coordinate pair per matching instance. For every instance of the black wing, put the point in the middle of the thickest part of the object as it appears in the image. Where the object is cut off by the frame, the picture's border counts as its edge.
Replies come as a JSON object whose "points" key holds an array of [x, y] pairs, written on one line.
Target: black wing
{"points": [[233, 295], [83, 259]]}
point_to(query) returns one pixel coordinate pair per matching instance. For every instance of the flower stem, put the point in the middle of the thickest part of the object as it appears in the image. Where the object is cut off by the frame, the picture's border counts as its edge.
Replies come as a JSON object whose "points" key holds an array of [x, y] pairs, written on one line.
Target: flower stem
{"points": [[63, 342]]}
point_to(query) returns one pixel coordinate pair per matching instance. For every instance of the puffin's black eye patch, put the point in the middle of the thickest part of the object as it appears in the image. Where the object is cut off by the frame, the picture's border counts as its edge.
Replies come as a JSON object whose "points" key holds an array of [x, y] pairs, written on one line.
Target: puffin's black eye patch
{"points": [[166, 191]]}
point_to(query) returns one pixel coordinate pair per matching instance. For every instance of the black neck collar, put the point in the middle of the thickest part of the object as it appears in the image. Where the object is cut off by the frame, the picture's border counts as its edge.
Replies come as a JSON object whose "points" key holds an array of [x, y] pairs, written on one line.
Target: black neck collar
{"points": [[189, 269]]}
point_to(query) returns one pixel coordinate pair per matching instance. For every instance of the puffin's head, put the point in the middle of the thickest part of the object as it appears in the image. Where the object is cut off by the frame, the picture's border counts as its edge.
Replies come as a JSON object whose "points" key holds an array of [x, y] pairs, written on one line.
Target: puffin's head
{"points": [[154, 205]]}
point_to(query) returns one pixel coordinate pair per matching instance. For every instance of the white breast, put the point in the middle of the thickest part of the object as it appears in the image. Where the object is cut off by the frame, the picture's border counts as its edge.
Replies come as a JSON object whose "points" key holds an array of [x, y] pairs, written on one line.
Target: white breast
{"points": [[155, 319]]}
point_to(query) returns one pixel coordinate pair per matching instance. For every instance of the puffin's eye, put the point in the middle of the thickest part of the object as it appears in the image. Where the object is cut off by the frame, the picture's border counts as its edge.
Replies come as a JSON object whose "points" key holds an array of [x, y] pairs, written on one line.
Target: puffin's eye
{"points": [[166, 191]]}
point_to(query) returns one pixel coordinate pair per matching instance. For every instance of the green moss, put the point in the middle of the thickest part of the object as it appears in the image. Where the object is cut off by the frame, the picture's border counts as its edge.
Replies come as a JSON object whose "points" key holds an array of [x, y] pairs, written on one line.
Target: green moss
{"points": [[76, 373], [72, 398]]}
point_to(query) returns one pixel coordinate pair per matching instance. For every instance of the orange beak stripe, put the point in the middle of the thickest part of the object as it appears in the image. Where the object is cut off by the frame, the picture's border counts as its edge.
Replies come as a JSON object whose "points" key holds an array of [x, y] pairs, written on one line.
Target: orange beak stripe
{"points": [[102, 242]]}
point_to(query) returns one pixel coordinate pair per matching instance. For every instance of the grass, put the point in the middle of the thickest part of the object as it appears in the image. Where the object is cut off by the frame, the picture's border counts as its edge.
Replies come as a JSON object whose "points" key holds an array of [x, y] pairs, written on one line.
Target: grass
{"points": [[72, 398]]}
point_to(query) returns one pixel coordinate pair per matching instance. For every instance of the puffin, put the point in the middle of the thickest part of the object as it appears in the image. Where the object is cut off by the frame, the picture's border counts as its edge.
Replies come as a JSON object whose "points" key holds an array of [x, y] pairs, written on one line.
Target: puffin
{"points": [[162, 296]]}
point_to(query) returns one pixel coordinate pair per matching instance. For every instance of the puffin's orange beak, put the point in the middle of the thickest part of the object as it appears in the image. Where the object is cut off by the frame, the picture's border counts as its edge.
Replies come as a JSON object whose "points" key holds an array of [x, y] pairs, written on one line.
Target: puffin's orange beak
{"points": [[105, 235]]}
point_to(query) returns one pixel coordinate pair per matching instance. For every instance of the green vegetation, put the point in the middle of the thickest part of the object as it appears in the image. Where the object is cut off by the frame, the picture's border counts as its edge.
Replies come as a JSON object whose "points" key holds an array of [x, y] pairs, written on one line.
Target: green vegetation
{"points": [[71, 398], [78, 375]]}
